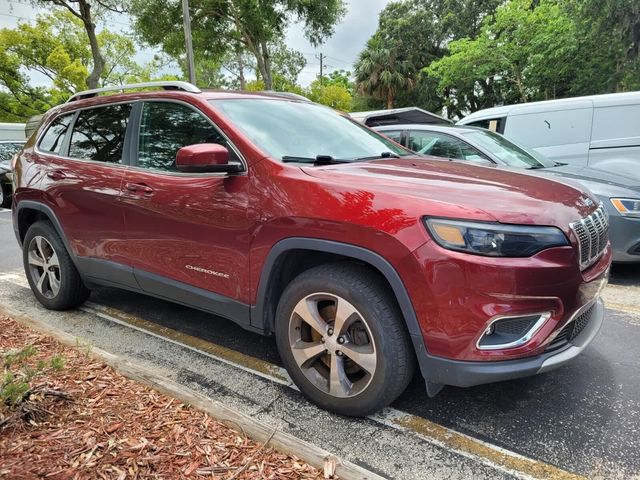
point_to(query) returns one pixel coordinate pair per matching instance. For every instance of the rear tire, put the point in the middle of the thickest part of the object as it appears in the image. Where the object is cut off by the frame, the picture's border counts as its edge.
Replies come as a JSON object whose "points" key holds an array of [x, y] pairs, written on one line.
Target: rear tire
{"points": [[343, 340], [52, 276]]}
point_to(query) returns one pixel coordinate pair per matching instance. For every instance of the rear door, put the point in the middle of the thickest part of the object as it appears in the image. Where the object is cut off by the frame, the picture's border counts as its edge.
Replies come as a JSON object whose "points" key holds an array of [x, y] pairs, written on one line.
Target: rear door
{"points": [[185, 229], [83, 180]]}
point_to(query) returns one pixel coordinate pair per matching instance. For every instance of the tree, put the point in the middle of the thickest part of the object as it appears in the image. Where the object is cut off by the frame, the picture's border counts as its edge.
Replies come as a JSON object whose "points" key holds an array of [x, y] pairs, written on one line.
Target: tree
{"points": [[608, 39], [379, 72], [222, 26], [81, 9], [417, 32], [521, 54], [340, 78], [55, 46], [333, 95]]}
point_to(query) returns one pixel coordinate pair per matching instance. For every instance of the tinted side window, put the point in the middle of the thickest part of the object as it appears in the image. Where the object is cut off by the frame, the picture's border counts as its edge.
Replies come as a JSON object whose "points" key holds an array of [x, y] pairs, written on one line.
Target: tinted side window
{"points": [[395, 135], [419, 140], [167, 127], [98, 134], [54, 136], [444, 146]]}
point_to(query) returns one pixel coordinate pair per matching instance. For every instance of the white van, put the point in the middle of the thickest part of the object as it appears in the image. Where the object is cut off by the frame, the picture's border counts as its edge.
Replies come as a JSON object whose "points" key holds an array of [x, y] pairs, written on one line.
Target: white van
{"points": [[601, 131], [12, 131]]}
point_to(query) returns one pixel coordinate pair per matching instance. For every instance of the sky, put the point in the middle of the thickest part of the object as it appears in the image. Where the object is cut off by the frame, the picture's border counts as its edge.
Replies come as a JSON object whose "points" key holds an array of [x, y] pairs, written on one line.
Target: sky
{"points": [[341, 49]]}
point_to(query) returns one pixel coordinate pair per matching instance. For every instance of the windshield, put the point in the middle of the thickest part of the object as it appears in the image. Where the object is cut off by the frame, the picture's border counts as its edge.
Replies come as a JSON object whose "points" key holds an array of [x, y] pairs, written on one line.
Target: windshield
{"points": [[506, 151], [304, 130]]}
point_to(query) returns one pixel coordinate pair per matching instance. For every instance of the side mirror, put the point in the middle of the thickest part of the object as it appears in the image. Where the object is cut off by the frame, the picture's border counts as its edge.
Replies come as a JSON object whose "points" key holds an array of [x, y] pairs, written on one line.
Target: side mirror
{"points": [[205, 157]]}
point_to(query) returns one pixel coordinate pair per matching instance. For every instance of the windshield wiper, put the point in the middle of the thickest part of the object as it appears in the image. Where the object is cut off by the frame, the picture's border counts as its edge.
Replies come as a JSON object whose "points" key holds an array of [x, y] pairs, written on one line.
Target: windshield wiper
{"points": [[318, 160], [375, 157]]}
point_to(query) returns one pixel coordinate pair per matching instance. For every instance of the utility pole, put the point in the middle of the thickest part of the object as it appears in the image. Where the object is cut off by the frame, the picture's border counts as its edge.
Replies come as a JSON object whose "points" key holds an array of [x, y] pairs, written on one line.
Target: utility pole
{"points": [[321, 58], [188, 42]]}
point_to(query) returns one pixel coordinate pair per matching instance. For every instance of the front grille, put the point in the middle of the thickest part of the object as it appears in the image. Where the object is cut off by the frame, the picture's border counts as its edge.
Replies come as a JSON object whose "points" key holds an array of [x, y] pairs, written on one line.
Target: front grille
{"points": [[592, 233], [572, 329]]}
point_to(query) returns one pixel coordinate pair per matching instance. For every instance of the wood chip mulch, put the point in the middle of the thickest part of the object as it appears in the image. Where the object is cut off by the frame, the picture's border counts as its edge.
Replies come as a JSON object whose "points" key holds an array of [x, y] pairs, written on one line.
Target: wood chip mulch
{"points": [[116, 428]]}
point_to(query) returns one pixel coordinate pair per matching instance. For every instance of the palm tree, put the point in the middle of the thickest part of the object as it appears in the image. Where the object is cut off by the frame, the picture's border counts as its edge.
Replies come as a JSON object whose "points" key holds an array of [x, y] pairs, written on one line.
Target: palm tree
{"points": [[380, 73]]}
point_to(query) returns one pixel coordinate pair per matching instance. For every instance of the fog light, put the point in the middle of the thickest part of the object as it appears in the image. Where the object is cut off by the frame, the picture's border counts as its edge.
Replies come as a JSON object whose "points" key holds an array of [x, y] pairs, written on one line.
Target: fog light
{"points": [[511, 331]]}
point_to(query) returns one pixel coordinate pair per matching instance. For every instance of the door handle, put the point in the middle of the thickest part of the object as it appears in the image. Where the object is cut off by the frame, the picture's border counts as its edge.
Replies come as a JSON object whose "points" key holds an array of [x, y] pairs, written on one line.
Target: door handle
{"points": [[56, 175], [139, 187]]}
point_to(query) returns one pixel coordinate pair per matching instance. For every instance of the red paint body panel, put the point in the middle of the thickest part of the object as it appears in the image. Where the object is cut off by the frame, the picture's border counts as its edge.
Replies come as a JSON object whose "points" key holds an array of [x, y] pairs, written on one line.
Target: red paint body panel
{"points": [[228, 225]]}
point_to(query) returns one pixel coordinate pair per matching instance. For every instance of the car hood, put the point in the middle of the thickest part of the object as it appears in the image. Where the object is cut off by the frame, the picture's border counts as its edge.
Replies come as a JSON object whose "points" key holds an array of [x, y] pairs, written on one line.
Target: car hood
{"points": [[600, 182], [462, 190]]}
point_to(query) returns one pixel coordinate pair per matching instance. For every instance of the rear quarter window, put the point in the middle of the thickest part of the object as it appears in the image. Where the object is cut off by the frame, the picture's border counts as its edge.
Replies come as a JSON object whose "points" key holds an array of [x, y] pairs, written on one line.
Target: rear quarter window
{"points": [[53, 138]]}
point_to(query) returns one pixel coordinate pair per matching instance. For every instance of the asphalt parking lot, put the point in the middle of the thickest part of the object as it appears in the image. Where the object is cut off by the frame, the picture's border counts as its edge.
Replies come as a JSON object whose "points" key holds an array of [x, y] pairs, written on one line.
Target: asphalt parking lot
{"points": [[583, 419]]}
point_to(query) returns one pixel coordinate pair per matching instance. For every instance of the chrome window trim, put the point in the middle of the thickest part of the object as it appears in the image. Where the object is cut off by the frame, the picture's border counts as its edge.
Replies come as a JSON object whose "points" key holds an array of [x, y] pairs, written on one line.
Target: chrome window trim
{"points": [[75, 111], [243, 161], [543, 317]]}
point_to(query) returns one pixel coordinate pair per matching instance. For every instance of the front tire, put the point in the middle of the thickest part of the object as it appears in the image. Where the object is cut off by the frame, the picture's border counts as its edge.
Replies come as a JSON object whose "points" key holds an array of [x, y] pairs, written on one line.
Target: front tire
{"points": [[342, 339], [52, 276]]}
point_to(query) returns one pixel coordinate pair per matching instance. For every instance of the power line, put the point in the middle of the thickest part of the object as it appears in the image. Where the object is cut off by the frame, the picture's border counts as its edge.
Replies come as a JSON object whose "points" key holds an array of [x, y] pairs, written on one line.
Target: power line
{"points": [[105, 22]]}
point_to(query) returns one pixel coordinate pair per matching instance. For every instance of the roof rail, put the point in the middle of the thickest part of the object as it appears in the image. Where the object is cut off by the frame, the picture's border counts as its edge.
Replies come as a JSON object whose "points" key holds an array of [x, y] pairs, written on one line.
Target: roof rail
{"points": [[168, 85], [291, 95]]}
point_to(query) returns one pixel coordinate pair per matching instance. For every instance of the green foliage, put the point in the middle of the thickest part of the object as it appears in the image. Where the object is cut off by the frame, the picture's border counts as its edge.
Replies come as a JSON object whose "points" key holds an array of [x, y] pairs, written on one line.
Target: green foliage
{"points": [[220, 27], [411, 34], [333, 95], [340, 78], [18, 373], [608, 41], [381, 71], [55, 45], [521, 54]]}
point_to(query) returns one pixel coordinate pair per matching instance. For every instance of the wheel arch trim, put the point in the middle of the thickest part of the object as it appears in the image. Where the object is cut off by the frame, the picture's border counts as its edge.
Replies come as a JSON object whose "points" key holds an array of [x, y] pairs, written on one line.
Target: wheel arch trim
{"points": [[258, 314], [46, 210]]}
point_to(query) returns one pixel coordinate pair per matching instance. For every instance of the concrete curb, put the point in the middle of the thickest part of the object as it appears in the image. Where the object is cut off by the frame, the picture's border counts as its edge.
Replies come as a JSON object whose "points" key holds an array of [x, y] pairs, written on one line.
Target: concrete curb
{"points": [[252, 427]]}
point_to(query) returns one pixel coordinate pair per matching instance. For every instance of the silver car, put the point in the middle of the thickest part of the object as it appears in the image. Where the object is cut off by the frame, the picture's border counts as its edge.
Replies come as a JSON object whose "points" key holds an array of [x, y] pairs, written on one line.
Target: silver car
{"points": [[619, 194]]}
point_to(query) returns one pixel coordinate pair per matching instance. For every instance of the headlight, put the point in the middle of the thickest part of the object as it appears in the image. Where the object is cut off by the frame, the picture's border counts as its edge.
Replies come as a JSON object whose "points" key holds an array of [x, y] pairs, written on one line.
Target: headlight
{"points": [[494, 239], [629, 207]]}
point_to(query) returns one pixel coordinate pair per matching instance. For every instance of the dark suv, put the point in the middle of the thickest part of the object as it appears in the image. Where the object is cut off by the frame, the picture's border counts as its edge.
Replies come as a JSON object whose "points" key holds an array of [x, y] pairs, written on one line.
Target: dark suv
{"points": [[291, 219]]}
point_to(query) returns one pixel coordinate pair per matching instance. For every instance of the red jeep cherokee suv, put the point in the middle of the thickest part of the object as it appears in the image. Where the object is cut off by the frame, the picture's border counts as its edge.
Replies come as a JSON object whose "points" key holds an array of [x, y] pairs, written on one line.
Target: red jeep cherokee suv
{"points": [[290, 219]]}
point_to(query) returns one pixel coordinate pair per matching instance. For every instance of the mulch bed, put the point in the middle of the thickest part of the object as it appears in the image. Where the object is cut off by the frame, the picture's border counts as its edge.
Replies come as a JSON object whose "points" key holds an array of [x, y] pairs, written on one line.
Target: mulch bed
{"points": [[111, 427]]}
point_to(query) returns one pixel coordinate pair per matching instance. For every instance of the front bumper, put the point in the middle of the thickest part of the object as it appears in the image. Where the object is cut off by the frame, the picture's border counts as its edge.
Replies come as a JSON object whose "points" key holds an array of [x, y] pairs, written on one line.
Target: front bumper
{"points": [[469, 373]]}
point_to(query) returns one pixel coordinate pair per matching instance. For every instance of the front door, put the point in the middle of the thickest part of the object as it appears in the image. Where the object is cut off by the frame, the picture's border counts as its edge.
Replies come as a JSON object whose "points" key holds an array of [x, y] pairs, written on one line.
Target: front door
{"points": [[188, 234]]}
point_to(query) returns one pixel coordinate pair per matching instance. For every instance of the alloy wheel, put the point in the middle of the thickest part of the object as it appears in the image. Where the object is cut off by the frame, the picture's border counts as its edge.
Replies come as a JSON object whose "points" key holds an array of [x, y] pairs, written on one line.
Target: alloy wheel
{"points": [[332, 345], [44, 266]]}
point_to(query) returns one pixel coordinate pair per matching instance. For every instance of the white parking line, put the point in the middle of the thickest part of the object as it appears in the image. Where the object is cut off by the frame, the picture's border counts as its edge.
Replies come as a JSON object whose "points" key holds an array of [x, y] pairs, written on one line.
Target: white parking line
{"points": [[483, 452]]}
